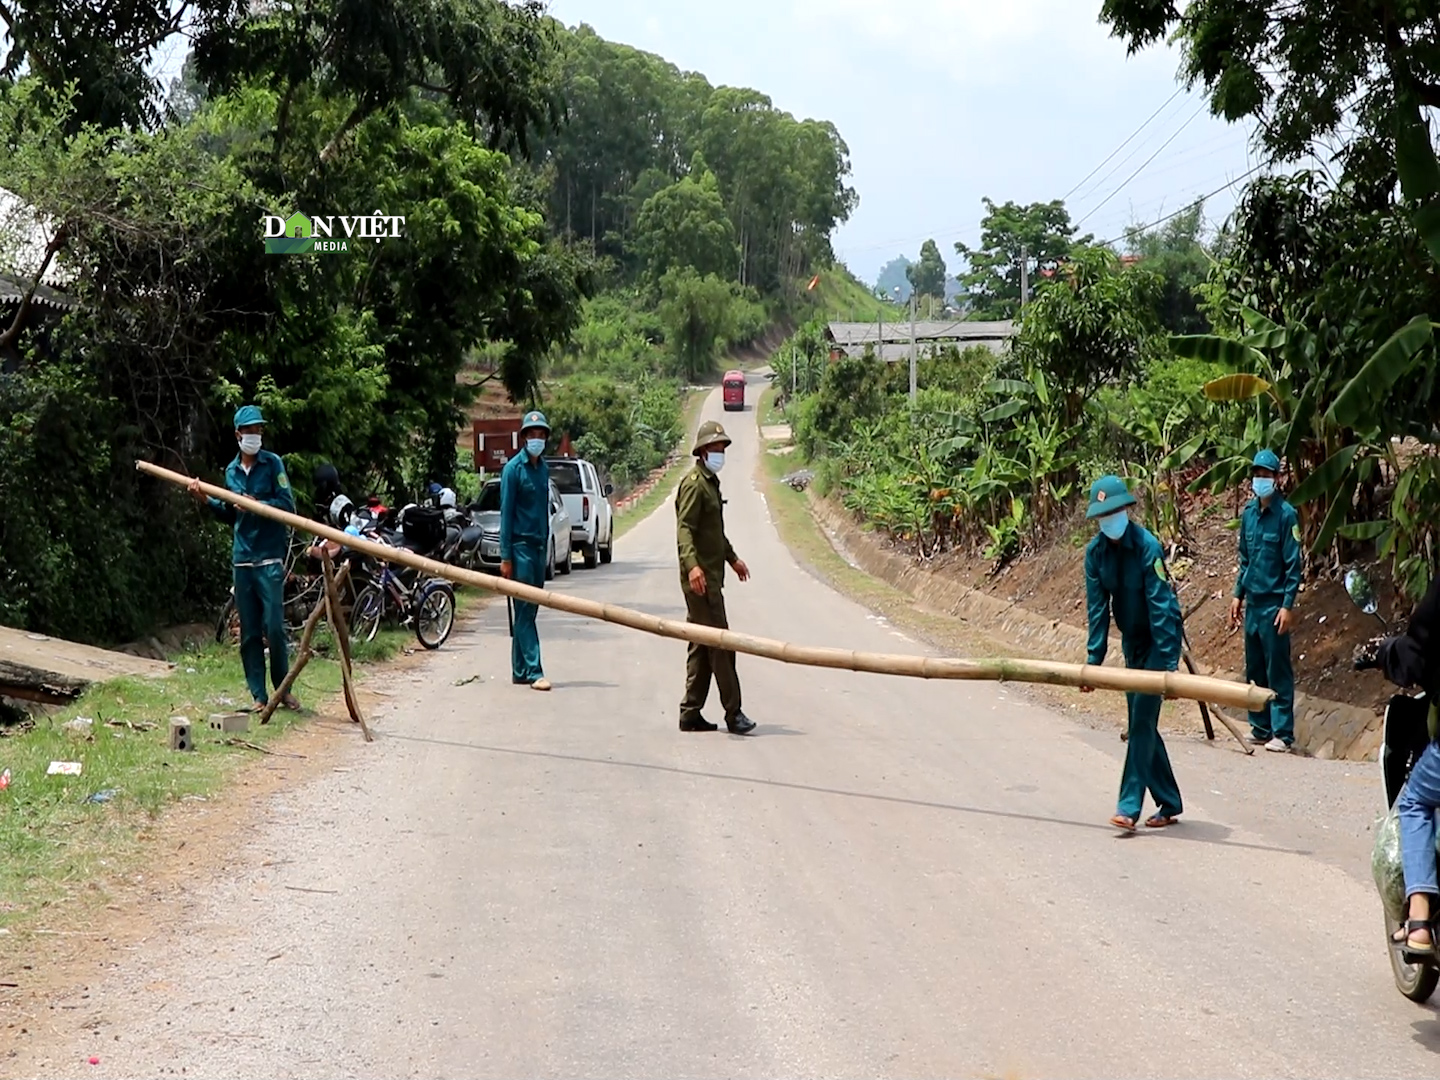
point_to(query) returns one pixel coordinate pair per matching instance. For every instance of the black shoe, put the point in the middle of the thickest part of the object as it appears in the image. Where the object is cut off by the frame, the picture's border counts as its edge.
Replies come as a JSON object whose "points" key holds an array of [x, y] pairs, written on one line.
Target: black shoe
{"points": [[696, 723], [740, 724]]}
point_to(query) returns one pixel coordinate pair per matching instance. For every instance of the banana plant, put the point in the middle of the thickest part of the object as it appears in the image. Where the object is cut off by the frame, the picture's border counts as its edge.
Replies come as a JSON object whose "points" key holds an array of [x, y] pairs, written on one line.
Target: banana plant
{"points": [[1335, 431]]}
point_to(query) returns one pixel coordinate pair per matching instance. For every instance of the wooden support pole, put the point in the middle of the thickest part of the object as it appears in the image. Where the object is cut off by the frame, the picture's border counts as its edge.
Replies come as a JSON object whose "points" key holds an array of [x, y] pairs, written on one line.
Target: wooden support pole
{"points": [[1170, 684], [341, 631], [302, 657]]}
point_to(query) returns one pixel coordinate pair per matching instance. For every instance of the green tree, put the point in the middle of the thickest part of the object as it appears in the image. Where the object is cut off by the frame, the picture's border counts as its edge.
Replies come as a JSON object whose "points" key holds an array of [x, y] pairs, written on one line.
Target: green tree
{"points": [[927, 276], [992, 281], [1174, 253], [685, 225], [1093, 323], [696, 311]]}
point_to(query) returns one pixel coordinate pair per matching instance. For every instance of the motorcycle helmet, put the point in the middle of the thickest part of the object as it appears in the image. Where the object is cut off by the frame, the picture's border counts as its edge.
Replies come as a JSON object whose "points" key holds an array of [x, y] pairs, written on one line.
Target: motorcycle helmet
{"points": [[447, 498], [341, 509]]}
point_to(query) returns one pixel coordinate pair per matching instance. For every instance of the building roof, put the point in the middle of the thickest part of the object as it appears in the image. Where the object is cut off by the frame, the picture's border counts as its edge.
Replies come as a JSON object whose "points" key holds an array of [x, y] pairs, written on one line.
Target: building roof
{"points": [[959, 331], [24, 236], [12, 290], [895, 352]]}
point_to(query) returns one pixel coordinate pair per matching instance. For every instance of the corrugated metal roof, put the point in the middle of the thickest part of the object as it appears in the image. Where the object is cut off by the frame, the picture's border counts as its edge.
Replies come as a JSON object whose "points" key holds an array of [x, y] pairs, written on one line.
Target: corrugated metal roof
{"points": [[895, 352], [957, 330], [12, 291]]}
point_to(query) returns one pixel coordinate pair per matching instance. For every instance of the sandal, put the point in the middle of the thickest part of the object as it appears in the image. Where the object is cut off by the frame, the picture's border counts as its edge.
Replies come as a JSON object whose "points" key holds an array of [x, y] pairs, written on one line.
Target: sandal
{"points": [[291, 702], [1405, 937], [1120, 821], [1161, 821]]}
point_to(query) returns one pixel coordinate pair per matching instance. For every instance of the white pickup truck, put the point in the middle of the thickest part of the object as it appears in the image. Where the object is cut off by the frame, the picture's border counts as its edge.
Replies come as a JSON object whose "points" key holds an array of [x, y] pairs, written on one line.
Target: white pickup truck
{"points": [[592, 520]]}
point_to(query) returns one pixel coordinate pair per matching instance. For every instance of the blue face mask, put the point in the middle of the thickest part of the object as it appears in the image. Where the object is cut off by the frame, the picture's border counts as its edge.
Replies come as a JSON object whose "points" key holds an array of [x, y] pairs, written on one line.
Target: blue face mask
{"points": [[715, 461], [535, 447], [1263, 486], [1114, 525]]}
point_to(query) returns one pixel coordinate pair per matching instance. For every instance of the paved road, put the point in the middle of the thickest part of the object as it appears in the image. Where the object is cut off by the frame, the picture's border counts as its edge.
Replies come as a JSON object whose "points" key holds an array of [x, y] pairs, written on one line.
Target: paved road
{"points": [[893, 878]]}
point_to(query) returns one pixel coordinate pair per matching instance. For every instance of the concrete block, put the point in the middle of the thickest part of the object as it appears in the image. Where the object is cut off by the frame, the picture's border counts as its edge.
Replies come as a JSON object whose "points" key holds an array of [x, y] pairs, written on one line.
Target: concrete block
{"points": [[230, 722], [180, 734]]}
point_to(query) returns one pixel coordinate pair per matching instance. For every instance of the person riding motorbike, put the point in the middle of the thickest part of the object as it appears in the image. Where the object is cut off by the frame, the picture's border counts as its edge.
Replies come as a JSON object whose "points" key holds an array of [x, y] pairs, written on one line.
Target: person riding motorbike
{"points": [[1413, 659]]}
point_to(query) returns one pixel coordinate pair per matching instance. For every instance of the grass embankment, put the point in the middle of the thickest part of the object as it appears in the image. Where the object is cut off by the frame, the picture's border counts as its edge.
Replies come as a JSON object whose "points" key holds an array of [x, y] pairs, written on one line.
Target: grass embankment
{"points": [[56, 839], [64, 837], [646, 505], [844, 298]]}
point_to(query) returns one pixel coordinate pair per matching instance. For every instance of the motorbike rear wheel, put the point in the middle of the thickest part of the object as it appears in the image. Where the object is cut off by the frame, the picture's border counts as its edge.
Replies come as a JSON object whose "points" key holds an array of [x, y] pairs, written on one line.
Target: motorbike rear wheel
{"points": [[1416, 981]]}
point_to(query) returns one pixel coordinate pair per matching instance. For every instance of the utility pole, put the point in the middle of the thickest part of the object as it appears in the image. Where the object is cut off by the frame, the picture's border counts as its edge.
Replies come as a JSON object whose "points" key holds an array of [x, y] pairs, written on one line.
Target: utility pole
{"points": [[1024, 277], [794, 370], [912, 348]]}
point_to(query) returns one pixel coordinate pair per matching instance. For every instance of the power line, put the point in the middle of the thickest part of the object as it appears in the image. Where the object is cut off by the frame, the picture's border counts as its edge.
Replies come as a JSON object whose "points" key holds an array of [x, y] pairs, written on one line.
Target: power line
{"points": [[1185, 209], [1138, 171], [1178, 91]]}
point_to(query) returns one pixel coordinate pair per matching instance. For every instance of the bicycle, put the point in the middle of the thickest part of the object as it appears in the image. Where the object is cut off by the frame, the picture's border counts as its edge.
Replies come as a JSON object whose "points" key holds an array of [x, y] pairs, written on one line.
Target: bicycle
{"points": [[428, 606]]}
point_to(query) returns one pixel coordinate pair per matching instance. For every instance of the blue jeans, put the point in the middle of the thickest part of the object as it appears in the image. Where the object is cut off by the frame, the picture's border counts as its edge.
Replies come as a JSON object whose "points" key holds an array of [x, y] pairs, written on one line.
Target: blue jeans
{"points": [[1416, 805]]}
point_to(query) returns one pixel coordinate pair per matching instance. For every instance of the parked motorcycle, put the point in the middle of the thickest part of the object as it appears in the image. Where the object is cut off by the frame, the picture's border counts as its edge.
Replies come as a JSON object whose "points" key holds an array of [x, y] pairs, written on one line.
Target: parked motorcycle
{"points": [[1405, 736]]}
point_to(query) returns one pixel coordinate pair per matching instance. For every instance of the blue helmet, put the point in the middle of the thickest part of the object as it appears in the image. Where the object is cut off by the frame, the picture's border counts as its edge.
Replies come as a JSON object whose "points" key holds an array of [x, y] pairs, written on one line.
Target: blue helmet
{"points": [[533, 419]]}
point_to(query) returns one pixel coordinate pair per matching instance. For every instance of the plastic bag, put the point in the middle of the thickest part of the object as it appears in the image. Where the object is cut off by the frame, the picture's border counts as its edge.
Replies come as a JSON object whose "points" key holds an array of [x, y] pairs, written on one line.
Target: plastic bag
{"points": [[1386, 867]]}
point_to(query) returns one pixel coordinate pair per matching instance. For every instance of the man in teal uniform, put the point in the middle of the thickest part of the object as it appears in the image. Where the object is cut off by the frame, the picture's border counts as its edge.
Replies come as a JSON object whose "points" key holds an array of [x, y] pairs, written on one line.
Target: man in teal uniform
{"points": [[1125, 576], [525, 542], [1266, 587], [258, 554]]}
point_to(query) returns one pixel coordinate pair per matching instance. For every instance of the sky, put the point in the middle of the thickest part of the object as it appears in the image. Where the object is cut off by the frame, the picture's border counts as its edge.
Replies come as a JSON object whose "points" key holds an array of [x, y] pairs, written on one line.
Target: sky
{"points": [[944, 102]]}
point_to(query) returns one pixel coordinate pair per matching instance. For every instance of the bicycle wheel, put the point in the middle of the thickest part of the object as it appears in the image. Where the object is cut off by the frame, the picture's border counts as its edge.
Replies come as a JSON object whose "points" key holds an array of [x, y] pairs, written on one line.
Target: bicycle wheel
{"points": [[365, 617], [435, 615]]}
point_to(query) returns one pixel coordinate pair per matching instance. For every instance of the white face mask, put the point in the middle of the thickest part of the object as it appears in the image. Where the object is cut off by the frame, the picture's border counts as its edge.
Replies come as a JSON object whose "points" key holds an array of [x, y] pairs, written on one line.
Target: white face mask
{"points": [[250, 444], [715, 461]]}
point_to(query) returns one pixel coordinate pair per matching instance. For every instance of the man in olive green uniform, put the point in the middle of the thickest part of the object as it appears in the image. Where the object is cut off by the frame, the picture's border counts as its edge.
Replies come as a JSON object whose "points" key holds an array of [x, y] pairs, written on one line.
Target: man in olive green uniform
{"points": [[704, 551]]}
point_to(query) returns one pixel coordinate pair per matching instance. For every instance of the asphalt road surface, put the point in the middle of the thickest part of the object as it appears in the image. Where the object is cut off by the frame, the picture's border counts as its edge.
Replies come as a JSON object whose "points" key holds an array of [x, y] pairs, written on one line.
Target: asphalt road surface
{"points": [[891, 878]]}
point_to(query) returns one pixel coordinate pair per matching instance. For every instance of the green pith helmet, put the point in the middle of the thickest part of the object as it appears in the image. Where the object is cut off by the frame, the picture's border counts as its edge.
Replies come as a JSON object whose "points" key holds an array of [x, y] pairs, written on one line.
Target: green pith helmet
{"points": [[535, 419], [247, 415], [709, 434], [1107, 495], [1267, 459]]}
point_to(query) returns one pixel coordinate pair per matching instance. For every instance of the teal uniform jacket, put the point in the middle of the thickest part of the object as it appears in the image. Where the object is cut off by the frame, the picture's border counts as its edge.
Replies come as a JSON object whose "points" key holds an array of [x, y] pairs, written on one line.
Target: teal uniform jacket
{"points": [[1270, 559], [257, 539], [524, 504], [1127, 579]]}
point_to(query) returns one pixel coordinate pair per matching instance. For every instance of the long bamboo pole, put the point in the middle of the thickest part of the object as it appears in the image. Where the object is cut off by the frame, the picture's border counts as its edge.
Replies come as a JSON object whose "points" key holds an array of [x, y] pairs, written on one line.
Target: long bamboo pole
{"points": [[1167, 683]]}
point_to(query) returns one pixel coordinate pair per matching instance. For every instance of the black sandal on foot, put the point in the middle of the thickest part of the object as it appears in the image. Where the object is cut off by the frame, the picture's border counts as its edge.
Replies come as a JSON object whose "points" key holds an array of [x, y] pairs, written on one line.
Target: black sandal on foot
{"points": [[1404, 937]]}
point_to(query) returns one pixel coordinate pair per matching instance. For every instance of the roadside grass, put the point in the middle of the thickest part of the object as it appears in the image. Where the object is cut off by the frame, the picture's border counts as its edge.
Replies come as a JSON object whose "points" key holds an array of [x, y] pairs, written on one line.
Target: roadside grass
{"points": [[55, 843], [645, 506], [770, 413]]}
